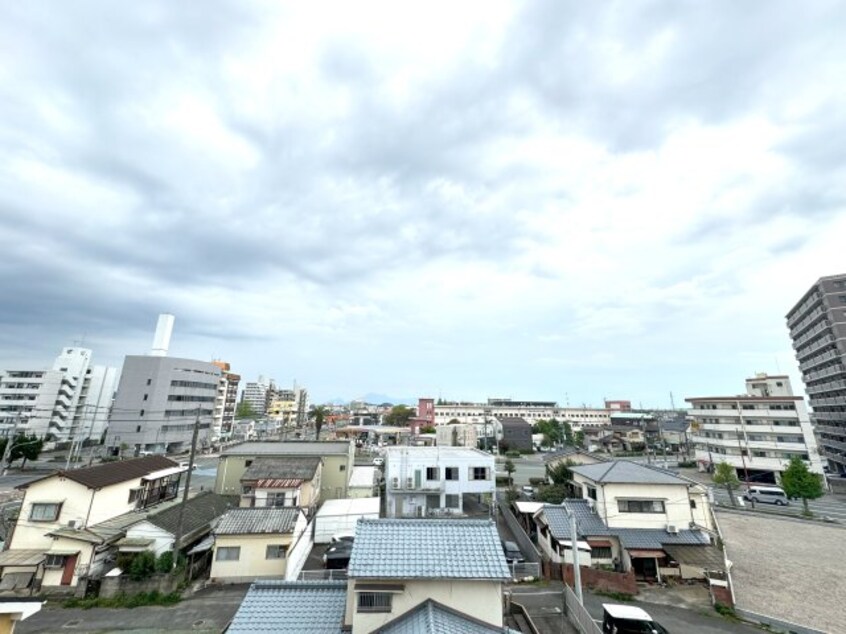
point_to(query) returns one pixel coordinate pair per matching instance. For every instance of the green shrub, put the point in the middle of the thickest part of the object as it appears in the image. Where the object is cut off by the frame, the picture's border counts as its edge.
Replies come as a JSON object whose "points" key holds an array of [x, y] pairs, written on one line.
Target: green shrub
{"points": [[512, 453], [165, 562], [124, 600], [143, 566], [687, 464], [536, 482], [725, 610]]}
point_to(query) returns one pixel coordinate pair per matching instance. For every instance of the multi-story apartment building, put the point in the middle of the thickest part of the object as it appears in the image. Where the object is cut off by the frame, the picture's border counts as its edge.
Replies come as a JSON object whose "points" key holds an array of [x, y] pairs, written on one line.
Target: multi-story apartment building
{"points": [[223, 417], [757, 433], [69, 402], [817, 326], [159, 399], [288, 407], [256, 394], [426, 481]]}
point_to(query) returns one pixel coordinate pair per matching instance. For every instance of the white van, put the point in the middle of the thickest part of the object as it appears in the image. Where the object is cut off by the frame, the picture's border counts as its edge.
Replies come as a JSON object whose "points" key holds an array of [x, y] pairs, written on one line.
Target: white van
{"points": [[767, 495]]}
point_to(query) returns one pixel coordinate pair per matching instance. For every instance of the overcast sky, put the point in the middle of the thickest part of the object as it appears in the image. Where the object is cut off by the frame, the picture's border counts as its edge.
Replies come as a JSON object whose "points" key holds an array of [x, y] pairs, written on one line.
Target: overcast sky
{"points": [[556, 200]]}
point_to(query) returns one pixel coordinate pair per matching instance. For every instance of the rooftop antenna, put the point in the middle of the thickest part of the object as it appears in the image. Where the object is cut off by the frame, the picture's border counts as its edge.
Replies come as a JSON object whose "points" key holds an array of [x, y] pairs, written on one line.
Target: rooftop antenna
{"points": [[672, 402]]}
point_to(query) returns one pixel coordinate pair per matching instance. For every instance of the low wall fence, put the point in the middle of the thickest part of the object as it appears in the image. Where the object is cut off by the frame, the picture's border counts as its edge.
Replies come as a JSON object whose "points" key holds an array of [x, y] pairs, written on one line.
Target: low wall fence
{"points": [[523, 541], [578, 614]]}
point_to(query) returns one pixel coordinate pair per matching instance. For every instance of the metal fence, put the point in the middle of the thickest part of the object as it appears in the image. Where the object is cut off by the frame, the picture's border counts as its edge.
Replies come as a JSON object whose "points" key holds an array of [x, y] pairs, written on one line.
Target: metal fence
{"points": [[578, 614], [323, 575], [525, 569]]}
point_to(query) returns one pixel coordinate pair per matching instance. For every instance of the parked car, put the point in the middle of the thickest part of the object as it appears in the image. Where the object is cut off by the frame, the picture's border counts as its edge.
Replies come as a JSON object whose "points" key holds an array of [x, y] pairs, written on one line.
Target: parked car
{"points": [[528, 490], [513, 555], [337, 556], [629, 619], [766, 494], [184, 465], [342, 537]]}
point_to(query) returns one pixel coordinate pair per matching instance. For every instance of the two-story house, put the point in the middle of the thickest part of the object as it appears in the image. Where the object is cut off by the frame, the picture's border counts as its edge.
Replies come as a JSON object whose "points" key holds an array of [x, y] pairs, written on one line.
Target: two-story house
{"points": [[427, 481], [282, 481], [426, 575], [76, 500], [338, 458]]}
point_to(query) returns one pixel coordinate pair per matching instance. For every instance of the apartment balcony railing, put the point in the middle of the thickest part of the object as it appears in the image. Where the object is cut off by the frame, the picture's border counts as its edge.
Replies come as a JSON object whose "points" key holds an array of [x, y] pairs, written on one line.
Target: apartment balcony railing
{"points": [[408, 485], [808, 336], [818, 360], [829, 386], [814, 347], [815, 298], [833, 370], [813, 317]]}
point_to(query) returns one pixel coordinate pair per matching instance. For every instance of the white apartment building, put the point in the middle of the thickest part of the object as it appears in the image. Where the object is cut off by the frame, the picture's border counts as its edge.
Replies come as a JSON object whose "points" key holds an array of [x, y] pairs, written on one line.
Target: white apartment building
{"points": [[757, 433], [433, 481], [255, 393], [223, 417], [69, 402]]}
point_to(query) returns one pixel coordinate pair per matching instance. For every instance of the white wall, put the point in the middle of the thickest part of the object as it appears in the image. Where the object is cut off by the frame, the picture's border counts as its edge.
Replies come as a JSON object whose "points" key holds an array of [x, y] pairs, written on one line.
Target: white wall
{"points": [[163, 541]]}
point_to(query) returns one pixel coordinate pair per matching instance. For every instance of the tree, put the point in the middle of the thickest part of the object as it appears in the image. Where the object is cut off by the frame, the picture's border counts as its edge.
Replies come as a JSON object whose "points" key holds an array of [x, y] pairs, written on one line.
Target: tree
{"points": [[510, 469], [798, 482], [244, 410], [725, 475], [399, 416], [560, 473], [551, 430], [428, 429], [552, 494], [23, 446], [568, 434], [318, 415], [579, 439]]}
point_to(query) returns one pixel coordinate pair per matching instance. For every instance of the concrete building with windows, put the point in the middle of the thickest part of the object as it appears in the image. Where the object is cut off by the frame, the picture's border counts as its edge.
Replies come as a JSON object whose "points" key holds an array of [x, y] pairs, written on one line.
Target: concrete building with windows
{"points": [[256, 394], [223, 417], [71, 401], [436, 481], [817, 326], [757, 433]]}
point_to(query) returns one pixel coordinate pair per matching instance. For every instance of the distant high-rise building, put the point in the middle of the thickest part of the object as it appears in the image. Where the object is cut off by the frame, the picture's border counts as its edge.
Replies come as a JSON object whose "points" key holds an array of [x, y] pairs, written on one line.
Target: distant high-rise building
{"points": [[159, 399], [817, 326], [256, 394], [225, 401], [71, 401]]}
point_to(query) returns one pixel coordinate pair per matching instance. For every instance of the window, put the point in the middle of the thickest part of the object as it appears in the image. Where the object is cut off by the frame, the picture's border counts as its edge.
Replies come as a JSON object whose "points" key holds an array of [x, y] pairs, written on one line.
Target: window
{"points": [[45, 511], [600, 552], [138, 429], [343, 467], [149, 381], [451, 501], [640, 506], [145, 396], [54, 561], [276, 551], [479, 473], [451, 473], [247, 463], [591, 492], [693, 504], [228, 553], [133, 495], [432, 473], [141, 413], [374, 601]]}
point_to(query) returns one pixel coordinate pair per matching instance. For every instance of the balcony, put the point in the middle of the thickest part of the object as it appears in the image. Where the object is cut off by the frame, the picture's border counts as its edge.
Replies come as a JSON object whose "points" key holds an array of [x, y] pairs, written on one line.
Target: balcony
{"points": [[810, 319], [813, 299], [814, 347], [830, 386], [818, 360], [408, 485]]}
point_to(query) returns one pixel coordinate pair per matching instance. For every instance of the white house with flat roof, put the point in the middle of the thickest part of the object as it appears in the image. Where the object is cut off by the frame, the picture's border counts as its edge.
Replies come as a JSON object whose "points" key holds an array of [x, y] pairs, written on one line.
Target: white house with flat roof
{"points": [[434, 481]]}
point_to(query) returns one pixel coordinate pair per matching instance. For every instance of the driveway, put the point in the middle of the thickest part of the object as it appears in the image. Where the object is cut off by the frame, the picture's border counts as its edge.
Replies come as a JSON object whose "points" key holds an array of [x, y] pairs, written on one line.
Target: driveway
{"points": [[208, 611]]}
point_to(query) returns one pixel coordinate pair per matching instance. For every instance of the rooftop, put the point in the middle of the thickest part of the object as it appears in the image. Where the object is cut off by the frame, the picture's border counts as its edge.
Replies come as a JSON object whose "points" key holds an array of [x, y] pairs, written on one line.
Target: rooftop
{"points": [[292, 606], [513, 421], [442, 549], [435, 451], [295, 468], [362, 477], [104, 475], [431, 617], [289, 448], [200, 511], [627, 472], [253, 521]]}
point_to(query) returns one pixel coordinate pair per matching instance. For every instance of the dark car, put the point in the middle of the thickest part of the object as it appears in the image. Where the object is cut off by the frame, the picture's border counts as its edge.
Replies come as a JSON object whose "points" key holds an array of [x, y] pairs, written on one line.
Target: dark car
{"points": [[337, 557], [513, 555]]}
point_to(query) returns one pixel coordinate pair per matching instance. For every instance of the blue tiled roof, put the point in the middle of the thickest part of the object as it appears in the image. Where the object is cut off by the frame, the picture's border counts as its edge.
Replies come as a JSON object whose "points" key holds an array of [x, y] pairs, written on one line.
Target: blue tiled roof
{"points": [[304, 607], [431, 617], [427, 549]]}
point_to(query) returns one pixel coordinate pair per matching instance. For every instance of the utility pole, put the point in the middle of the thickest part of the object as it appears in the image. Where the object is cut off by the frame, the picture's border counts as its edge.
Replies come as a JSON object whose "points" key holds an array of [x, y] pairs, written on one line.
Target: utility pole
{"points": [[179, 523], [7, 452], [743, 458], [574, 543]]}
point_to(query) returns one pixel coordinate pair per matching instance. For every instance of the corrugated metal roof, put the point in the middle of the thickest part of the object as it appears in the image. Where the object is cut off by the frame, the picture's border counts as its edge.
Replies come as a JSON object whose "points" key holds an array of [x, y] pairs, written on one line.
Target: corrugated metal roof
{"points": [[707, 557], [626, 472], [304, 607], [21, 557], [253, 521], [427, 549], [288, 448], [431, 617], [282, 468]]}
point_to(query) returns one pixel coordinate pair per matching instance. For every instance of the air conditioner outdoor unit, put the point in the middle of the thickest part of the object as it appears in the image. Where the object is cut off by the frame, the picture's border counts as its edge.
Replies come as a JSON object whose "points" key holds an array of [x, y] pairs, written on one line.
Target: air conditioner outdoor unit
{"points": [[73, 523], [395, 483], [673, 529], [409, 483]]}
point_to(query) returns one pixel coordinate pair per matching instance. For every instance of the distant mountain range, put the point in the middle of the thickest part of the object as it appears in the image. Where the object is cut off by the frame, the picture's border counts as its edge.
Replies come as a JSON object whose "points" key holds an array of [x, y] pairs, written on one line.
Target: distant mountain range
{"points": [[376, 399]]}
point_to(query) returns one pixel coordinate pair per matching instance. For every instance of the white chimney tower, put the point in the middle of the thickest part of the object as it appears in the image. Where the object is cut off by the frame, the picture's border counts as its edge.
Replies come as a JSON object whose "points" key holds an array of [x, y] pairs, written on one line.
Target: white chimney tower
{"points": [[161, 340]]}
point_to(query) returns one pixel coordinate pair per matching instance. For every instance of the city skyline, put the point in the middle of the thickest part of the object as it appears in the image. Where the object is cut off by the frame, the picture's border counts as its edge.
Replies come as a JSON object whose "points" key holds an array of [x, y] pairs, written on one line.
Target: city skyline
{"points": [[571, 204]]}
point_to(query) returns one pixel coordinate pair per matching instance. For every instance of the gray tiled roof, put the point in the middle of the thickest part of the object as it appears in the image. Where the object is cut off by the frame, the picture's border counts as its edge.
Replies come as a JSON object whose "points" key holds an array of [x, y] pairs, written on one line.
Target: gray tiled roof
{"points": [[588, 522], [198, 515], [571, 452], [284, 467], [431, 617], [288, 448], [627, 472], [304, 607], [252, 521], [427, 549], [655, 538]]}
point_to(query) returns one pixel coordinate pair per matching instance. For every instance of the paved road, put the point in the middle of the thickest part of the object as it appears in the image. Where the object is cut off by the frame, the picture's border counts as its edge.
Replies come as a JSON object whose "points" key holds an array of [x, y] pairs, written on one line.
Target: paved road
{"points": [[827, 506], [9, 482], [208, 611]]}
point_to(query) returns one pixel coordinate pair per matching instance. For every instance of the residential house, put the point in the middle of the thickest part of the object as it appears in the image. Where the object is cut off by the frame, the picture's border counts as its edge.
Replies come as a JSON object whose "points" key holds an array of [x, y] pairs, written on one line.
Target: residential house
{"points": [[426, 481], [572, 455], [397, 565], [363, 482], [341, 517], [514, 433], [338, 460], [292, 606], [74, 501], [456, 434], [253, 543], [282, 481], [675, 434], [15, 609]]}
